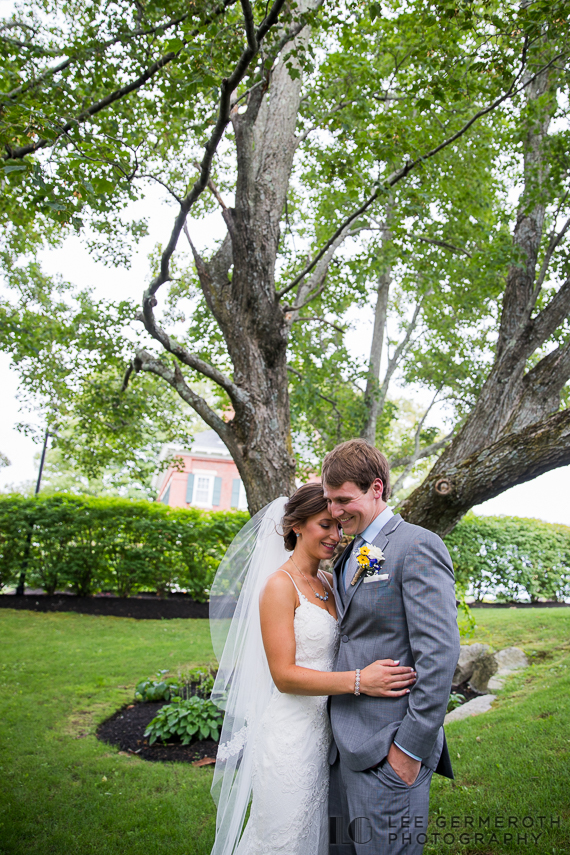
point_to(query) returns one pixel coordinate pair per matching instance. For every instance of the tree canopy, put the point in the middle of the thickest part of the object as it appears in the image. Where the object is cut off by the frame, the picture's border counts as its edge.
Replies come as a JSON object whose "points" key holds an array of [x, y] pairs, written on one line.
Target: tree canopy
{"points": [[403, 160]]}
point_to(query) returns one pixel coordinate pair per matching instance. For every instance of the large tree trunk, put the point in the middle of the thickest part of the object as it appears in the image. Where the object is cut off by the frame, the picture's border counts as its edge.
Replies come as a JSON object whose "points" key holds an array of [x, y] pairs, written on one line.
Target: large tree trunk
{"points": [[246, 305], [511, 435]]}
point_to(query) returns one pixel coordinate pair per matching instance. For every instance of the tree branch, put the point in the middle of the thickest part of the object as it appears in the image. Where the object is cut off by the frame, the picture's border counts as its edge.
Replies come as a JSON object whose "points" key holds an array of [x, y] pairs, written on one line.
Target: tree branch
{"points": [[445, 496], [547, 321], [103, 103], [427, 451], [401, 173], [229, 84], [320, 320], [414, 457], [443, 244], [173, 376], [196, 363], [554, 242], [213, 190], [330, 401]]}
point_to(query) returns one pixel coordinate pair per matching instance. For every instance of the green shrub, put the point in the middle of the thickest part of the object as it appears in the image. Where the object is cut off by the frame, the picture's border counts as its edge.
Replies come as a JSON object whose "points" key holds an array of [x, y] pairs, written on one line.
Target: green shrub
{"points": [[202, 681], [149, 691], [186, 720], [88, 544], [511, 558], [454, 701]]}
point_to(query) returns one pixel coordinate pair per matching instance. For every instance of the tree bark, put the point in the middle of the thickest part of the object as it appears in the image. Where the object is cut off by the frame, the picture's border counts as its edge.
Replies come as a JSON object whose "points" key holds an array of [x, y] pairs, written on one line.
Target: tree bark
{"points": [[440, 502], [514, 431], [246, 305], [372, 392]]}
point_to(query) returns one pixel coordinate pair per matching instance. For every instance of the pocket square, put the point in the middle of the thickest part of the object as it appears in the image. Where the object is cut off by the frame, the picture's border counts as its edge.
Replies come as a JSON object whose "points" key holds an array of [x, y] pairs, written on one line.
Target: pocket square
{"points": [[377, 577]]}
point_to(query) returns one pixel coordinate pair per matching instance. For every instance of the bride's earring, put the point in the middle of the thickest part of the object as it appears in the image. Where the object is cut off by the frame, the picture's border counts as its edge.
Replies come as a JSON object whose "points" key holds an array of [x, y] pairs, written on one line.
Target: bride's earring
{"points": [[297, 534]]}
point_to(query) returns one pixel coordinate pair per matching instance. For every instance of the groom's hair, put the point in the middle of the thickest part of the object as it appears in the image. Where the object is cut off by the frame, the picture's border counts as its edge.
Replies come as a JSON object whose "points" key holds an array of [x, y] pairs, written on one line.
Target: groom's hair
{"points": [[359, 462]]}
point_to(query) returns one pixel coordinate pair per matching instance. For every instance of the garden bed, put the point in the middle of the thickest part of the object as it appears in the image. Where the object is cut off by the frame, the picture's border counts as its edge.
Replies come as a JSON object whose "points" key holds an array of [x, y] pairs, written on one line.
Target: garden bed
{"points": [[141, 606], [126, 728]]}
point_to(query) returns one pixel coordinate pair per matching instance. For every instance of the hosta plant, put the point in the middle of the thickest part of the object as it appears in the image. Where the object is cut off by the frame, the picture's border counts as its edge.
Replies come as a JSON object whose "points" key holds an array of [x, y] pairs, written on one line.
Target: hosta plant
{"points": [[186, 720], [157, 690]]}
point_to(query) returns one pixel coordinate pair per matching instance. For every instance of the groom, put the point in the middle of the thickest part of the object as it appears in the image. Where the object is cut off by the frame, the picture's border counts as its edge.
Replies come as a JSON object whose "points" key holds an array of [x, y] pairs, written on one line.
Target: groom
{"points": [[385, 750]]}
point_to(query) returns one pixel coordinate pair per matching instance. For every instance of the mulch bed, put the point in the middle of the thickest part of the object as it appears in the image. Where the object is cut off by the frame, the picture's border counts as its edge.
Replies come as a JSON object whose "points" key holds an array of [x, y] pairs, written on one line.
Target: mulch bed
{"points": [[151, 607], [141, 607], [126, 728]]}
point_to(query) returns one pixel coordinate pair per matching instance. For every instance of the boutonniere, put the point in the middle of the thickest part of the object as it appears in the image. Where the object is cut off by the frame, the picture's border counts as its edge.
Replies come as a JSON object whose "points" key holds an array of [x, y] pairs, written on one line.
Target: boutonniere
{"points": [[368, 559]]}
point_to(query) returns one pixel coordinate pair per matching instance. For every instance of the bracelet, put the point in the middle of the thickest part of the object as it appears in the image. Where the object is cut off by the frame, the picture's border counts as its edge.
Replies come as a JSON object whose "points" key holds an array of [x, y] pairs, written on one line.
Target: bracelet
{"points": [[357, 681]]}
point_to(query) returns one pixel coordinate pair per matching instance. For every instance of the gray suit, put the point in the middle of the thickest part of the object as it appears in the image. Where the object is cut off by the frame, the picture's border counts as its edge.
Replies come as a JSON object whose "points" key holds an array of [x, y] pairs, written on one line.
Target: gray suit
{"points": [[410, 616]]}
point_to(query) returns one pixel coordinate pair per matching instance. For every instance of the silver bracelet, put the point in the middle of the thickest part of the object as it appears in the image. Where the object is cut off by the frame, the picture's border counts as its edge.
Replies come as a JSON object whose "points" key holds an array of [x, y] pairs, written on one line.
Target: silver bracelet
{"points": [[357, 681]]}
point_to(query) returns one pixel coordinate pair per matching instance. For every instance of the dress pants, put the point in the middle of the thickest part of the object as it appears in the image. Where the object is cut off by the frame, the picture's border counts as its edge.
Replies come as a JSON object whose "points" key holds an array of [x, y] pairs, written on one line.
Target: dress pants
{"points": [[376, 813]]}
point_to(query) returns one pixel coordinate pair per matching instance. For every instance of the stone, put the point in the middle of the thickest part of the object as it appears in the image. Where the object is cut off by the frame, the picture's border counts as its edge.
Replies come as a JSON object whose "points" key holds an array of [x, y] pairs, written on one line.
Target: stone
{"points": [[485, 666], [474, 707], [468, 656], [510, 659], [495, 683]]}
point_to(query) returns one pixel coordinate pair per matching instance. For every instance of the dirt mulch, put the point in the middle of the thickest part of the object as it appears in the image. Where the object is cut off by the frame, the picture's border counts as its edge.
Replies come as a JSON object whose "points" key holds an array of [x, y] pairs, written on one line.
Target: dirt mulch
{"points": [[141, 607], [126, 728]]}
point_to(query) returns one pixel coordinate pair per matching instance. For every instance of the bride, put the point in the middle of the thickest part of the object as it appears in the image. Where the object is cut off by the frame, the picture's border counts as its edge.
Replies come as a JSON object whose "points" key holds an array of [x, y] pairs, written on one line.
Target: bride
{"points": [[275, 659]]}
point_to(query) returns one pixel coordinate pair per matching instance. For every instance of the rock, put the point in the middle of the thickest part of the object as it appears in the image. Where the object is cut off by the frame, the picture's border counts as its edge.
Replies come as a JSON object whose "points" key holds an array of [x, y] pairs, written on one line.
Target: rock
{"points": [[468, 656], [474, 707], [510, 659], [495, 683], [485, 666]]}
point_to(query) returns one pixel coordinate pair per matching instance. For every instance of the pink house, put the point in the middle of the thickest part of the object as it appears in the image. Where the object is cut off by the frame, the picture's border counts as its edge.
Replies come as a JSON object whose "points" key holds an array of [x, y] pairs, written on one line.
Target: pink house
{"points": [[209, 480]]}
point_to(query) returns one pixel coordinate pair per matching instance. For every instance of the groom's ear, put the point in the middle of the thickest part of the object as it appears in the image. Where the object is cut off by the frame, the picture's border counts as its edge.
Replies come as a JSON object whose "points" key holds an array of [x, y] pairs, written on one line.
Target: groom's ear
{"points": [[377, 488]]}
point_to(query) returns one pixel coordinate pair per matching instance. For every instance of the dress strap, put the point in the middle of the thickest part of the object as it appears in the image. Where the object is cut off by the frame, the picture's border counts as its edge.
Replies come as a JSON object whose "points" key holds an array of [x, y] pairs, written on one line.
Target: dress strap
{"points": [[296, 588]]}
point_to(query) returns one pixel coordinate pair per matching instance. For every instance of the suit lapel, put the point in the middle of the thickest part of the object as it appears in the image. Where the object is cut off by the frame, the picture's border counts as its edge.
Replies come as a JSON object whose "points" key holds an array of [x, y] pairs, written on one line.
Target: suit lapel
{"points": [[381, 540]]}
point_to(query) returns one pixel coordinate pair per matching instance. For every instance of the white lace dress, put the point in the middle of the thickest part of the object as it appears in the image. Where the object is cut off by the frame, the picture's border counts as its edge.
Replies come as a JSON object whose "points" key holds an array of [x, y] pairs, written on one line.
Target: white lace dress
{"points": [[289, 810]]}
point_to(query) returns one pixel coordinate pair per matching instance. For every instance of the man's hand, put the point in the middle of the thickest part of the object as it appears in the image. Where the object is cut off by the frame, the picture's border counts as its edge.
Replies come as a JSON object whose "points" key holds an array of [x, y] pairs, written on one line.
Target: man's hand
{"points": [[403, 765]]}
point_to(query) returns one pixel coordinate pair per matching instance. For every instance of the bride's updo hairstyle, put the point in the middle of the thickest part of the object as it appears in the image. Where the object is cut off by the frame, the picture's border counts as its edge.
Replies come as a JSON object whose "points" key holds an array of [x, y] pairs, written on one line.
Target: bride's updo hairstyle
{"points": [[307, 501]]}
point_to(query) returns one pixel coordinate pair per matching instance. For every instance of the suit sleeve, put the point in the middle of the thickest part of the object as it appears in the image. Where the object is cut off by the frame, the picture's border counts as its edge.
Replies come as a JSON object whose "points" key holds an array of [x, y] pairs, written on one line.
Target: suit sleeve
{"points": [[428, 592]]}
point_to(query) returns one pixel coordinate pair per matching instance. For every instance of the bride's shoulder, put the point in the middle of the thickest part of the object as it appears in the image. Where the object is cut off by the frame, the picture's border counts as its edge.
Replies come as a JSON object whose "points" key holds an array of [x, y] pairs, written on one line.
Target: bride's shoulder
{"points": [[279, 580]]}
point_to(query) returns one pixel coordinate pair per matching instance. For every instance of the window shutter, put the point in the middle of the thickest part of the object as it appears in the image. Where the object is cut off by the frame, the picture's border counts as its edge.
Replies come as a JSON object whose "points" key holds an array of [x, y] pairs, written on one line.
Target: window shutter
{"points": [[236, 484], [217, 491], [166, 496], [189, 488]]}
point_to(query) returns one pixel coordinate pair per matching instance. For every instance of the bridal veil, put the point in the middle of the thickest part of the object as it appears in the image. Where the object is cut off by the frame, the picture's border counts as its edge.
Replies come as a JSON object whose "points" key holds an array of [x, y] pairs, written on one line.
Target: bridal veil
{"points": [[243, 686]]}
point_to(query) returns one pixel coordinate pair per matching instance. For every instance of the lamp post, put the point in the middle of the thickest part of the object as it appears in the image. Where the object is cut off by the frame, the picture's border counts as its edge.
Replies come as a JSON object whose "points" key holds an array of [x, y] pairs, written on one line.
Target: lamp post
{"points": [[22, 580]]}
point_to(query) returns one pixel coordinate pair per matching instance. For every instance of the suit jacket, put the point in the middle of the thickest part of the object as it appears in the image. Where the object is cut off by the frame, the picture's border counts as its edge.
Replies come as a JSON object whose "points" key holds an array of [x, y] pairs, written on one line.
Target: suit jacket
{"points": [[410, 616]]}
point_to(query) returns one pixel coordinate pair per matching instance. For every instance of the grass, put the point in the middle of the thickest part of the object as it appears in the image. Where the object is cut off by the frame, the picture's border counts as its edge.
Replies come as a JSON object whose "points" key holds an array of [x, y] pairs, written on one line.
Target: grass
{"points": [[512, 765], [61, 790], [64, 792]]}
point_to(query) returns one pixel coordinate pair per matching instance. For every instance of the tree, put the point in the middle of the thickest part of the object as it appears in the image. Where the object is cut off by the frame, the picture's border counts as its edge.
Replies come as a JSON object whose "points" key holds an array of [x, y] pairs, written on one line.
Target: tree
{"points": [[442, 70], [517, 429]]}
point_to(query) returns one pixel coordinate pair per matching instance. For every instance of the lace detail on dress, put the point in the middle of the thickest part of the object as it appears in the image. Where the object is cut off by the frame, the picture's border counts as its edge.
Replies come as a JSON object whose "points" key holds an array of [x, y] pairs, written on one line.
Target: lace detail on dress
{"points": [[289, 811], [230, 749]]}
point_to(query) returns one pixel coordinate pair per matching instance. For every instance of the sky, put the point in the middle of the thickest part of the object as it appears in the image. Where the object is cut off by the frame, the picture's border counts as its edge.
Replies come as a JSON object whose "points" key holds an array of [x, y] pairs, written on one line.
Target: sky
{"points": [[545, 497]]}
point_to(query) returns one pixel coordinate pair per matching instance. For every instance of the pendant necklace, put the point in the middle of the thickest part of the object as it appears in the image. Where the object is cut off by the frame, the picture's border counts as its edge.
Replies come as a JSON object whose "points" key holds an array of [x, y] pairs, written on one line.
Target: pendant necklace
{"points": [[319, 596]]}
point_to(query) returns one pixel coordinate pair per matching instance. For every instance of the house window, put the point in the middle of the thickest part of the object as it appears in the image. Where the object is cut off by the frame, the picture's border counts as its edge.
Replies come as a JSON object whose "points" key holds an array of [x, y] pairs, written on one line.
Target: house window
{"points": [[203, 490]]}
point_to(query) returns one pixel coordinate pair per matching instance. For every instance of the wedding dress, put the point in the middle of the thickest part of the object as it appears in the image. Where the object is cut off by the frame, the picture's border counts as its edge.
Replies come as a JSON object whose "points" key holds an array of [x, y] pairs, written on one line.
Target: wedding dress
{"points": [[273, 750], [289, 811]]}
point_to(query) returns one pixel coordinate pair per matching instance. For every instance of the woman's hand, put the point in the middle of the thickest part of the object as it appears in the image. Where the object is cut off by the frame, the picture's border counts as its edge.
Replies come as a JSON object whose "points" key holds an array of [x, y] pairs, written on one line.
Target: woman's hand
{"points": [[385, 678]]}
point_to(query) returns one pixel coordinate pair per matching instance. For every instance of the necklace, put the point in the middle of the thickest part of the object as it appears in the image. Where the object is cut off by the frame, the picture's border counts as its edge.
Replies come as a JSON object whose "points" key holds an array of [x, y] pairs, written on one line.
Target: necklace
{"points": [[319, 596]]}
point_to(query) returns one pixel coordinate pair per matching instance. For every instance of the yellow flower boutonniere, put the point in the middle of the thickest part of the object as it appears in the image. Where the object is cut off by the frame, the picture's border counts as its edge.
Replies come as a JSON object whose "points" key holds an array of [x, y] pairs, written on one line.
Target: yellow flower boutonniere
{"points": [[368, 559]]}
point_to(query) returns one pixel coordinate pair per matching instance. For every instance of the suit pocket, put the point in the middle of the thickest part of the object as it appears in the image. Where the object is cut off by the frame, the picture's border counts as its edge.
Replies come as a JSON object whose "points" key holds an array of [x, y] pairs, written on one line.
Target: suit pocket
{"points": [[376, 584]]}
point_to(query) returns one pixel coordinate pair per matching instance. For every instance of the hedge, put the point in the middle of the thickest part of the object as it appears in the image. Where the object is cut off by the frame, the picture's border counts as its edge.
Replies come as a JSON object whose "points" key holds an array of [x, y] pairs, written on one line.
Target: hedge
{"points": [[511, 558], [88, 545]]}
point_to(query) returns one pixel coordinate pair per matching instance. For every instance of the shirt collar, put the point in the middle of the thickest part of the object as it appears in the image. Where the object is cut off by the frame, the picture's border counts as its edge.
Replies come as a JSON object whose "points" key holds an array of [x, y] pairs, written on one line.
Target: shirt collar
{"points": [[373, 530]]}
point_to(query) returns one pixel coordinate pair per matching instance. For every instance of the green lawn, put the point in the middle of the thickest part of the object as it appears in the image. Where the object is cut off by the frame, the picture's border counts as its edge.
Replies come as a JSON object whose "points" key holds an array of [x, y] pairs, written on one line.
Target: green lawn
{"points": [[64, 792]]}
